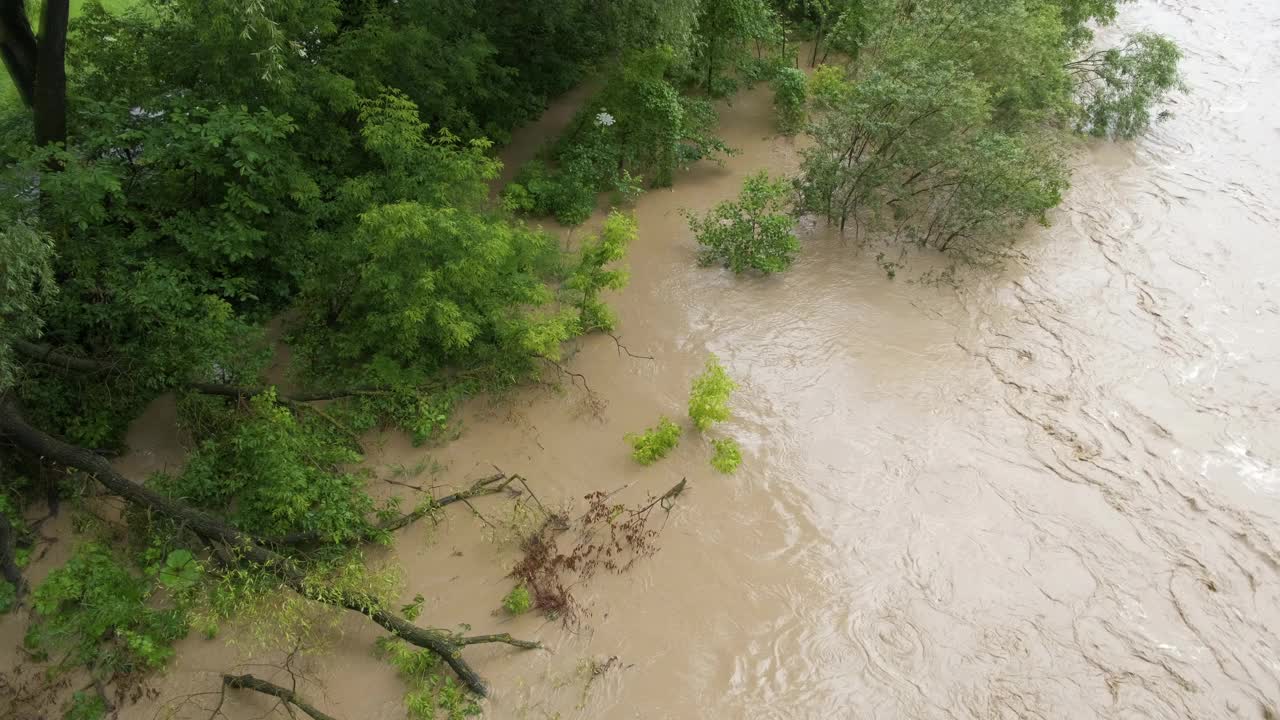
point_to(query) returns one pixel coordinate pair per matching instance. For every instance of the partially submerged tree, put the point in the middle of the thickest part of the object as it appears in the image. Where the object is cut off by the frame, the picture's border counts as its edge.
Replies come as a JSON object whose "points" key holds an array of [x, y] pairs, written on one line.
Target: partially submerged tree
{"points": [[754, 232], [948, 133]]}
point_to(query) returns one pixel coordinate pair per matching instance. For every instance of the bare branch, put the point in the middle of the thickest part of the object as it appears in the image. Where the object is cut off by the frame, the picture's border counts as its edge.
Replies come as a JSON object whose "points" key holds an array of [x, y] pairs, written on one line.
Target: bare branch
{"points": [[249, 682], [624, 349]]}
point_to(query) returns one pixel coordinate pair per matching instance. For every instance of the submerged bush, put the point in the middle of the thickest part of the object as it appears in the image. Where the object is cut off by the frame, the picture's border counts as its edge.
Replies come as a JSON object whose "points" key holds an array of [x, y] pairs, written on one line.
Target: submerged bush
{"points": [[709, 398], [433, 693], [518, 601], [727, 456], [94, 613], [655, 443], [752, 233]]}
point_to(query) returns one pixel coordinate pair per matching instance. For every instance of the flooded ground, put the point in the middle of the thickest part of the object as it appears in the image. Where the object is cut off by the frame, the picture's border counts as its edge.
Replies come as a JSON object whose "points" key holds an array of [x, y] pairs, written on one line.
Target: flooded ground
{"points": [[1051, 493]]}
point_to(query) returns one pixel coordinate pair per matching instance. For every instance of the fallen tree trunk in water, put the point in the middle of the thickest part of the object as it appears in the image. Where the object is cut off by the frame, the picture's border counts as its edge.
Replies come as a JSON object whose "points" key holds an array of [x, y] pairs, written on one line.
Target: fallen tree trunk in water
{"points": [[232, 545], [249, 682]]}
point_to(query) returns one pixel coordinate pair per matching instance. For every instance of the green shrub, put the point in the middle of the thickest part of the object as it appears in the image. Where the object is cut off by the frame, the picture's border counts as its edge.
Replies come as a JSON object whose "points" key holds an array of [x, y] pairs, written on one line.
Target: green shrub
{"points": [[789, 90], [639, 125], [274, 473], [655, 443], [753, 70], [589, 276], [8, 596], [518, 601], [432, 693], [93, 612], [709, 397], [86, 705], [567, 193], [727, 455], [754, 232]]}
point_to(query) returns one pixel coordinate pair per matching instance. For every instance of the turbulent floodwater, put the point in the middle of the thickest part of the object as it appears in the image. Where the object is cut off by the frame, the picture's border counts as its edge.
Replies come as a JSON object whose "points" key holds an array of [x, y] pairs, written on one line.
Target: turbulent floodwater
{"points": [[1052, 493]]}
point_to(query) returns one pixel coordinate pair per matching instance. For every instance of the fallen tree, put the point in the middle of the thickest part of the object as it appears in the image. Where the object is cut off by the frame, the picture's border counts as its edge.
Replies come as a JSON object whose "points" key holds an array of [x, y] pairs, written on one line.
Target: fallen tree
{"points": [[233, 546]]}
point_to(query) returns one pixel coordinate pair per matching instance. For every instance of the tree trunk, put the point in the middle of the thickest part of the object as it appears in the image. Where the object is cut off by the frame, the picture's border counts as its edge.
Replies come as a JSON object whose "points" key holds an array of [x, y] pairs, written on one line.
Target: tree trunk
{"points": [[19, 48], [817, 41], [8, 565], [711, 63], [50, 97]]}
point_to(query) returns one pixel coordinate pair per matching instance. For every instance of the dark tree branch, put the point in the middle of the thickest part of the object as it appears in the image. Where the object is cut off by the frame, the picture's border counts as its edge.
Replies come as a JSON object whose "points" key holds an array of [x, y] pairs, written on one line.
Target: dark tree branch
{"points": [[249, 682], [47, 355], [244, 393], [50, 99], [624, 349]]}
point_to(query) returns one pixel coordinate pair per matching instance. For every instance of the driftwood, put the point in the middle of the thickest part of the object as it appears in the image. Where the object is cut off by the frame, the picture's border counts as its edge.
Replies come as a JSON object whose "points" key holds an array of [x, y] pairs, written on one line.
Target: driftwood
{"points": [[232, 545], [249, 682]]}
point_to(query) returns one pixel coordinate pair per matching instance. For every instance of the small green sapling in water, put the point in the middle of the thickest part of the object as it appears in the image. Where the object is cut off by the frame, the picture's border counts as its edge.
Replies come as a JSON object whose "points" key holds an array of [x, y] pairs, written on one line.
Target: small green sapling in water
{"points": [[518, 601], [709, 398], [727, 456], [655, 443]]}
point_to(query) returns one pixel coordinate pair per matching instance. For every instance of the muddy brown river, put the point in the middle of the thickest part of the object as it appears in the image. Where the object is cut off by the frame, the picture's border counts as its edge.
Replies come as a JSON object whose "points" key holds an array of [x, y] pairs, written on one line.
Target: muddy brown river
{"points": [[1051, 492]]}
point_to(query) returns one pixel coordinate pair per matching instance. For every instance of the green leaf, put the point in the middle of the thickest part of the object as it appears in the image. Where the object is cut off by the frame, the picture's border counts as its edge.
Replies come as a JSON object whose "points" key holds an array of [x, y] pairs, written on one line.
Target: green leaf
{"points": [[181, 570]]}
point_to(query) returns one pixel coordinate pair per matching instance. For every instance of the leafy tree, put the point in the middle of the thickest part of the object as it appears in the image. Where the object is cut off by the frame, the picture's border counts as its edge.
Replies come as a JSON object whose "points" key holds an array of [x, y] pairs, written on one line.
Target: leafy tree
{"points": [[754, 232], [946, 136], [789, 89], [638, 126], [724, 26], [590, 274], [1119, 86], [26, 279], [281, 474]]}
